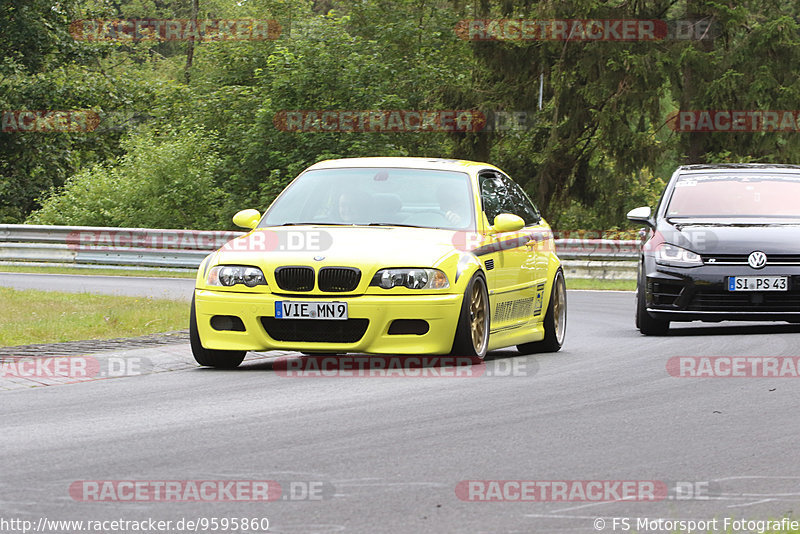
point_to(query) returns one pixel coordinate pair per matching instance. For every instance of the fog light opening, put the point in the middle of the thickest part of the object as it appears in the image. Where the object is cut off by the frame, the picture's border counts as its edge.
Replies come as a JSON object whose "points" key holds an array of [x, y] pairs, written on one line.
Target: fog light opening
{"points": [[227, 322], [408, 327]]}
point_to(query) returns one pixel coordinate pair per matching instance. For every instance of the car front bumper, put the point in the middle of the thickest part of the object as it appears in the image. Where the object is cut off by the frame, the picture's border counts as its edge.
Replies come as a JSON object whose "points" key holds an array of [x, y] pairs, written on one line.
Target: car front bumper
{"points": [[441, 312], [701, 293]]}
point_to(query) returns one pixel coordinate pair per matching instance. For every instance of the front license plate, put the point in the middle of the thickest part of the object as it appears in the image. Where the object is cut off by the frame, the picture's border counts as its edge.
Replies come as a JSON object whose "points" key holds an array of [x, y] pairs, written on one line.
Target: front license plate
{"points": [[758, 283], [285, 309]]}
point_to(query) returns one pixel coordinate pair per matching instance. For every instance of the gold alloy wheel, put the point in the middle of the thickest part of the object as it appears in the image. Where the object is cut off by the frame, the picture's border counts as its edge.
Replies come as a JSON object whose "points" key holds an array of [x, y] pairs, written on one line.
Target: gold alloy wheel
{"points": [[560, 310], [477, 316]]}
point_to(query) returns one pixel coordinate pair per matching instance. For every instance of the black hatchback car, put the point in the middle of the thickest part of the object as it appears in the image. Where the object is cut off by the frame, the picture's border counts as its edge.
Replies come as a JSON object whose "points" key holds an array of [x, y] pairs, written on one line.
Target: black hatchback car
{"points": [[724, 244]]}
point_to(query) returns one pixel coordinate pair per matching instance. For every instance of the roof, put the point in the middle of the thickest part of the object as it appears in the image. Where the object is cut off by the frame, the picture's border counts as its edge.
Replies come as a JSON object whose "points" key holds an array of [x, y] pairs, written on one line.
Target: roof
{"points": [[727, 167], [411, 163]]}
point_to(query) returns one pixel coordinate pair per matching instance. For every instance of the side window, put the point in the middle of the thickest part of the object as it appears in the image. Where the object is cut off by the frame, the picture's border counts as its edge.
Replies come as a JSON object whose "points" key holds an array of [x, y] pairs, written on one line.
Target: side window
{"points": [[519, 203], [493, 195]]}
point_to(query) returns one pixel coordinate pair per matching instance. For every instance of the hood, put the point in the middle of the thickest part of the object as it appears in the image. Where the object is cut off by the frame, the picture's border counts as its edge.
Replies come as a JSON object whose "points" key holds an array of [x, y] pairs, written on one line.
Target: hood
{"points": [[734, 237]]}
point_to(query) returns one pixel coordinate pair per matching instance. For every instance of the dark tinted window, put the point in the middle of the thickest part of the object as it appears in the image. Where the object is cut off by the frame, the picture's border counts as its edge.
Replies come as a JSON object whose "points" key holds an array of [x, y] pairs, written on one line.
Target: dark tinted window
{"points": [[500, 194], [519, 203], [493, 195], [366, 195], [735, 195]]}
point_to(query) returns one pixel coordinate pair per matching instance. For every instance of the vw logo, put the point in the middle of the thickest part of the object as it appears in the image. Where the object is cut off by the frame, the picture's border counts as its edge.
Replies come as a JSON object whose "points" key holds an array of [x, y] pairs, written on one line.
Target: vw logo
{"points": [[757, 260]]}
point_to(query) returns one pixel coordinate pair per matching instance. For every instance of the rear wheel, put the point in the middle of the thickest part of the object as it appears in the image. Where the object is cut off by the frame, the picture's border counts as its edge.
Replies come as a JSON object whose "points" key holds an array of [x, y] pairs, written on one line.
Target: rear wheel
{"points": [[221, 359], [645, 322], [472, 332], [555, 321]]}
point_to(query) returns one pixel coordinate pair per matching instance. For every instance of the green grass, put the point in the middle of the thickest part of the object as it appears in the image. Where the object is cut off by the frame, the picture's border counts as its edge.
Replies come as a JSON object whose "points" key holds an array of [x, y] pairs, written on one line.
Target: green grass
{"points": [[48, 317], [152, 273], [591, 283], [31, 316]]}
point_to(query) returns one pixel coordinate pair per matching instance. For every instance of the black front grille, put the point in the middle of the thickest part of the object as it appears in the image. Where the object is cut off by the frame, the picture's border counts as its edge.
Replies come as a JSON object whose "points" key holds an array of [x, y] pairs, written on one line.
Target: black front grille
{"points": [[295, 278], [725, 258], [741, 259], [339, 279], [315, 330], [730, 301]]}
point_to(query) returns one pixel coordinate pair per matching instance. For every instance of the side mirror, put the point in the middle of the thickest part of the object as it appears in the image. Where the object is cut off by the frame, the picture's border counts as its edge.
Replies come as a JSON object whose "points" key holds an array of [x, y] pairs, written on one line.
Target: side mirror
{"points": [[641, 215], [508, 222], [247, 218]]}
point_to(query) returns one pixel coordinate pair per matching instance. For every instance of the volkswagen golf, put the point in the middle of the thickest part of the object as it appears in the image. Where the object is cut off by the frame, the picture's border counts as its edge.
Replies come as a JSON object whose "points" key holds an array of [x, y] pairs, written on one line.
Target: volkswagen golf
{"points": [[724, 244]]}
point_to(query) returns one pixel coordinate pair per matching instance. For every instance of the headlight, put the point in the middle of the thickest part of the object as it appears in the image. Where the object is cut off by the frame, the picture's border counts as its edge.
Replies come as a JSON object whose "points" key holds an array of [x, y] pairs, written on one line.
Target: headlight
{"points": [[667, 254], [410, 278], [230, 275]]}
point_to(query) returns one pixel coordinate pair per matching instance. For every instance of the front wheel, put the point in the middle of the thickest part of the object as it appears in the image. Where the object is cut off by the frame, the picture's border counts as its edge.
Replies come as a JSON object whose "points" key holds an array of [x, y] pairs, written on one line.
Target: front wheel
{"points": [[221, 359], [555, 321], [472, 332]]}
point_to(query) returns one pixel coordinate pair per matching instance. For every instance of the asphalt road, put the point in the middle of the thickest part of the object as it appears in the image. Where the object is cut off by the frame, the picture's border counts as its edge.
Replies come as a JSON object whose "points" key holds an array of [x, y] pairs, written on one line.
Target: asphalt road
{"points": [[387, 454]]}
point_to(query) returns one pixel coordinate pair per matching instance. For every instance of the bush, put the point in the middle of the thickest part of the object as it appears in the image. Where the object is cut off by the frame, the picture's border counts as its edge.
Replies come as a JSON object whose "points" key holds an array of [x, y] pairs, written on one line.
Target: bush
{"points": [[166, 179]]}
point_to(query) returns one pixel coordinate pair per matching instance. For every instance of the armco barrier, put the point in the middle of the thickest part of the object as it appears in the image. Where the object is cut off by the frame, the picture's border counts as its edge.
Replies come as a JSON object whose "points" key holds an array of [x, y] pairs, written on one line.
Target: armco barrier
{"points": [[107, 247]]}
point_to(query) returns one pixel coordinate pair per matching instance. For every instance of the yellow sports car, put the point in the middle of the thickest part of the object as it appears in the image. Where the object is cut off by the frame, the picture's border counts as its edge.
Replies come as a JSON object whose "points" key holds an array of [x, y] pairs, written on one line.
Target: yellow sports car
{"points": [[384, 256]]}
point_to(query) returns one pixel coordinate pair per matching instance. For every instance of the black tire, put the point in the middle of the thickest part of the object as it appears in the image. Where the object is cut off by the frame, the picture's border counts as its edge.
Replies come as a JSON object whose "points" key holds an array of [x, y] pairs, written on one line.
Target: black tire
{"points": [[555, 320], [472, 332], [645, 322], [221, 359]]}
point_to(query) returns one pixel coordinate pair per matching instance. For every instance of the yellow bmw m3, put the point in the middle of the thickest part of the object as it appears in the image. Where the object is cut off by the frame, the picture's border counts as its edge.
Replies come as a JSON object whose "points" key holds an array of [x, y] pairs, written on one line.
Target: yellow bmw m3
{"points": [[384, 256]]}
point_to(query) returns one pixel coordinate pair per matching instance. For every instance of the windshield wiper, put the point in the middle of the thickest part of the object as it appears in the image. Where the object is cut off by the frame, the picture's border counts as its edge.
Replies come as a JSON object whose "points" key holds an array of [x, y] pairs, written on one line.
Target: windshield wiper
{"points": [[393, 224], [315, 224]]}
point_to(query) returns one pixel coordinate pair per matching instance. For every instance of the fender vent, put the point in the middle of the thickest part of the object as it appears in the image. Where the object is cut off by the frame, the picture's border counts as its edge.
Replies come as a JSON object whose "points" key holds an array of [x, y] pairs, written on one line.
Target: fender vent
{"points": [[537, 304], [489, 264], [513, 309]]}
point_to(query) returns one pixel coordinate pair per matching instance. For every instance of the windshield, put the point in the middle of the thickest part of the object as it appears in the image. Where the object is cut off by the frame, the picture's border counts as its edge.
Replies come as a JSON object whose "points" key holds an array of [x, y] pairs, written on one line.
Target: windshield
{"points": [[377, 196], [742, 195]]}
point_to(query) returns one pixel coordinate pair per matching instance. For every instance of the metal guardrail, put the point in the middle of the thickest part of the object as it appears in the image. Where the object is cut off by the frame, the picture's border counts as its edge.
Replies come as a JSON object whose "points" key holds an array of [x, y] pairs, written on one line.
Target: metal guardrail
{"points": [[598, 249], [139, 248], [108, 247]]}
